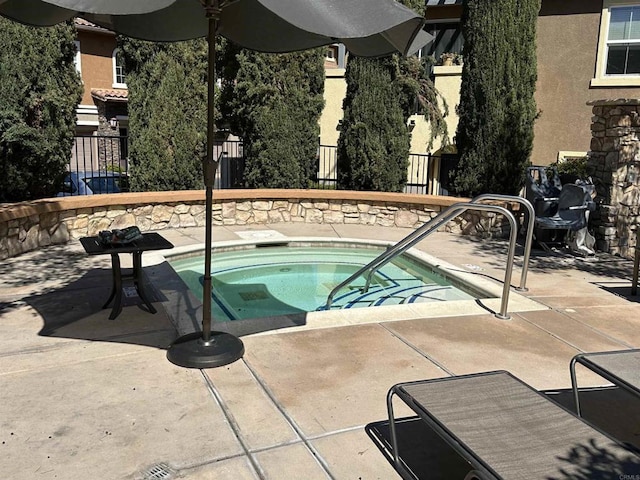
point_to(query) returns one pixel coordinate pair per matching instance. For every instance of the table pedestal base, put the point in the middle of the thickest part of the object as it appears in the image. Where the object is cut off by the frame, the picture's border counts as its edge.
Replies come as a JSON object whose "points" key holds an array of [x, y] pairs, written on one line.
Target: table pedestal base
{"points": [[191, 351], [116, 286]]}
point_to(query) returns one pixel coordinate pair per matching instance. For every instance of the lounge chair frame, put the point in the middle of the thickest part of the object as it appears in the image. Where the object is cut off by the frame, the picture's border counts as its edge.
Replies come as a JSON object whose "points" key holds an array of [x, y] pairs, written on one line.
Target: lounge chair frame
{"points": [[623, 372], [552, 423]]}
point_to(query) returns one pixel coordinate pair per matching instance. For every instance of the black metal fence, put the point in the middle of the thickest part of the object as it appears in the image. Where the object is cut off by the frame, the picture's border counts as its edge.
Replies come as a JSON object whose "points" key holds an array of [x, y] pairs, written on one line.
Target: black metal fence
{"points": [[427, 174], [327, 177], [230, 155], [92, 153]]}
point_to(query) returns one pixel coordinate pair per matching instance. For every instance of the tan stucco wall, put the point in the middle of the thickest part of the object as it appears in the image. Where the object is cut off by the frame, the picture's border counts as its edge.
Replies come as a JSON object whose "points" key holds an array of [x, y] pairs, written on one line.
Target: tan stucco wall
{"points": [[567, 42], [566, 48], [95, 56], [447, 81]]}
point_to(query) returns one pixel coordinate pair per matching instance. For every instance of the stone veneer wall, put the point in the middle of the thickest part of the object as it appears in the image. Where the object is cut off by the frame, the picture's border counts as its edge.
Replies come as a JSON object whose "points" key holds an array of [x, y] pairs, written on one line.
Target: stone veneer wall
{"points": [[614, 165], [31, 225]]}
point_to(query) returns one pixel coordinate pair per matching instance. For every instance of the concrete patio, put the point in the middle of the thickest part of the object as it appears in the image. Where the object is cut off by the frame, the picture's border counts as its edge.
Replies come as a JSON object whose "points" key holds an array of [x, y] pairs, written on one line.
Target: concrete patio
{"points": [[86, 397]]}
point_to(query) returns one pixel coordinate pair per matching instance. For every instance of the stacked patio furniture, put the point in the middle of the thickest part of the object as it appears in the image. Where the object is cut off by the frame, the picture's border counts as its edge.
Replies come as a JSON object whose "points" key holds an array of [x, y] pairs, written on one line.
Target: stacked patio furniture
{"points": [[561, 209]]}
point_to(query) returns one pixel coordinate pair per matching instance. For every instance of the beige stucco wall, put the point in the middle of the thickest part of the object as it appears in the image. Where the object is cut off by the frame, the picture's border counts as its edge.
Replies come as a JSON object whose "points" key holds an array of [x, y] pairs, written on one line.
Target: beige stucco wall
{"points": [[335, 89], [96, 49], [447, 81]]}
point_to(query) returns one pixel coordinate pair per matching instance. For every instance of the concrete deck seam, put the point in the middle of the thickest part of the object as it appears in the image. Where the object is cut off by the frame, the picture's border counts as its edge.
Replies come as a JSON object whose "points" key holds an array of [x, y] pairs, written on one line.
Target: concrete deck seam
{"points": [[210, 462], [298, 431], [550, 333], [276, 446], [593, 329], [233, 425], [77, 362], [417, 350], [336, 432]]}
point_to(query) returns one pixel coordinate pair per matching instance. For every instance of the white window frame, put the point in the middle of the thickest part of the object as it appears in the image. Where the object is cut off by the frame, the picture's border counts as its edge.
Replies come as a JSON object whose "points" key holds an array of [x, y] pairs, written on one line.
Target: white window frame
{"points": [[331, 53], [601, 78], [114, 60], [77, 59]]}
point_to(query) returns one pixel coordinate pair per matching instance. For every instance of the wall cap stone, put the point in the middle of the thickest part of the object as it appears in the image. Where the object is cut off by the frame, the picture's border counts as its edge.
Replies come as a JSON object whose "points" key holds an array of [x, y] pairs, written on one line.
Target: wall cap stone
{"points": [[37, 207], [613, 102]]}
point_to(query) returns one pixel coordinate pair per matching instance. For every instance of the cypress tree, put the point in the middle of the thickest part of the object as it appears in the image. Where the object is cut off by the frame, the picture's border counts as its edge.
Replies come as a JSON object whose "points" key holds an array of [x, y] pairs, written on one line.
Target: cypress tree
{"points": [[167, 85], [274, 102], [40, 92], [497, 109], [373, 147]]}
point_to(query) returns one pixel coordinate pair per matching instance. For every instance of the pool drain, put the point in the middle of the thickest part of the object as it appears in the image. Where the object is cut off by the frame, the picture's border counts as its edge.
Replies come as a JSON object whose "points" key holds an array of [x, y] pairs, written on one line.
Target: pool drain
{"points": [[161, 471]]}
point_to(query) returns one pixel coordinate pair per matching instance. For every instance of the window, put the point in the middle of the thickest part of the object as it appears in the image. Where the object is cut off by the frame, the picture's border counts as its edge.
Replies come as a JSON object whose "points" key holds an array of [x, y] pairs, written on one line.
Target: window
{"points": [[334, 56], [447, 38], [118, 70], [331, 53], [623, 41], [618, 59]]}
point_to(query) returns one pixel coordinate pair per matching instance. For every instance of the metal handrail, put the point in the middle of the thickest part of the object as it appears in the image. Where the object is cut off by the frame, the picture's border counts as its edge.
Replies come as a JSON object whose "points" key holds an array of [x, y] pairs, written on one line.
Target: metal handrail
{"points": [[529, 233], [428, 228]]}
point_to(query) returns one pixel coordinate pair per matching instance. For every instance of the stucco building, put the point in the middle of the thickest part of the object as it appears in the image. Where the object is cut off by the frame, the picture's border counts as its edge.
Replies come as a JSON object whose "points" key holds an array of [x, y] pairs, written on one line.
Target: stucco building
{"points": [[575, 39]]}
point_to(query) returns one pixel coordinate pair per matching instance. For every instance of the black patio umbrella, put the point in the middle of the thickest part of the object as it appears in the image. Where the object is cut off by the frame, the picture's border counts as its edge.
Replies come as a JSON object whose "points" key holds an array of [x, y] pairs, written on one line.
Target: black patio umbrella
{"points": [[366, 27]]}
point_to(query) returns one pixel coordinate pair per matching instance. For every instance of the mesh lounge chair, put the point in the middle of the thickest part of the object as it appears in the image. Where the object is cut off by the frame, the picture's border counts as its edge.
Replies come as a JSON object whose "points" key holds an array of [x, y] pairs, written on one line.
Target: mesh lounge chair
{"points": [[507, 430]]}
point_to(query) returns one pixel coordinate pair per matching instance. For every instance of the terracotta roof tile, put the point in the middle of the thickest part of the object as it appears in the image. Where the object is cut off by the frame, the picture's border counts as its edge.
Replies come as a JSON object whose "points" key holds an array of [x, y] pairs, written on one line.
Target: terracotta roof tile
{"points": [[83, 24], [82, 21], [110, 95]]}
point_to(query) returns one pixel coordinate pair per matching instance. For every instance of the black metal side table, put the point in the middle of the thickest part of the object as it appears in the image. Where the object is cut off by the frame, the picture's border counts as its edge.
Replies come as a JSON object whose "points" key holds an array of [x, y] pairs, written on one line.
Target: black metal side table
{"points": [[149, 241]]}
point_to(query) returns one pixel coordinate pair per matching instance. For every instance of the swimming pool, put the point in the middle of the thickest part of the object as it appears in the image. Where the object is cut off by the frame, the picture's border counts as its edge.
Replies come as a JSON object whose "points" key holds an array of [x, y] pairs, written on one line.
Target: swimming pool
{"points": [[270, 279]]}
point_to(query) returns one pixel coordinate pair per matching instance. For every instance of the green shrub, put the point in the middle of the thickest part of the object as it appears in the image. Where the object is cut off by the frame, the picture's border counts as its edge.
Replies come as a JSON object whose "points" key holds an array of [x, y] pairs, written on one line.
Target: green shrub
{"points": [[167, 85], [274, 103], [373, 147], [40, 92]]}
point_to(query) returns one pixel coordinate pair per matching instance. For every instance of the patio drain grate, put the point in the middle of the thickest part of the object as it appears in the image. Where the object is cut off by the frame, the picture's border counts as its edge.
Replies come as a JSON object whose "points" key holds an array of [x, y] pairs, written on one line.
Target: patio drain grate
{"points": [[161, 471]]}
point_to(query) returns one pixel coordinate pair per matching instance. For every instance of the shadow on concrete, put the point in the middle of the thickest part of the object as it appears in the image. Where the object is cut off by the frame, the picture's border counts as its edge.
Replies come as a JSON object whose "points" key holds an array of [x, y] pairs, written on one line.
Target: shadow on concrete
{"points": [[422, 451], [494, 251], [38, 272], [609, 409], [75, 311], [621, 291]]}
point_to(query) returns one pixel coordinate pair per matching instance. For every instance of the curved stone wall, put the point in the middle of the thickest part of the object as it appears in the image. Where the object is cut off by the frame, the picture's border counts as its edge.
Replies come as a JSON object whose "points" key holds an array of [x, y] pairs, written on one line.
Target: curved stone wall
{"points": [[30, 225]]}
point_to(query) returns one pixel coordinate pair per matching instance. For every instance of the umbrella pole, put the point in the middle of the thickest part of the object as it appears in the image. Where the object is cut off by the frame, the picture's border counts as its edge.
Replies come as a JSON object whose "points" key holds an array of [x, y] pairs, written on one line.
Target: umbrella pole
{"points": [[208, 349]]}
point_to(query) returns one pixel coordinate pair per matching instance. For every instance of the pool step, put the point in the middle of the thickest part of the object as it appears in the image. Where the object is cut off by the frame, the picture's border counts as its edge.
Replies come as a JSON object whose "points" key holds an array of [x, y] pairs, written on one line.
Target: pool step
{"points": [[399, 295]]}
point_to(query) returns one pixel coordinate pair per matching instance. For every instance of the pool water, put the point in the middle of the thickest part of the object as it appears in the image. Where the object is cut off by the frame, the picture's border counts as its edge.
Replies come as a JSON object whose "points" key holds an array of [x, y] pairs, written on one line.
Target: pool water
{"points": [[280, 280]]}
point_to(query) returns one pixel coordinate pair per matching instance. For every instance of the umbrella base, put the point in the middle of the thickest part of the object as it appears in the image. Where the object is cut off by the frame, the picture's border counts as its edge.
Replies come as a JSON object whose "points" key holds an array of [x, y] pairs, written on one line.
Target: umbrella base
{"points": [[190, 351]]}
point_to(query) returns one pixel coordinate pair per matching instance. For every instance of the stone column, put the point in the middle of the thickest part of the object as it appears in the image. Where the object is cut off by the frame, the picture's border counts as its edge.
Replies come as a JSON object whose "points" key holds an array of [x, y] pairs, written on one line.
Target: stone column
{"points": [[614, 166]]}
